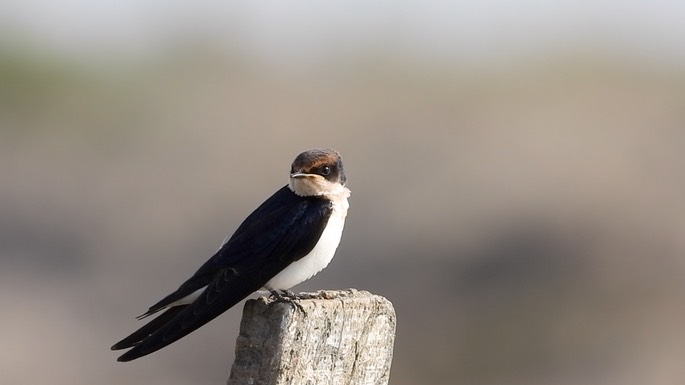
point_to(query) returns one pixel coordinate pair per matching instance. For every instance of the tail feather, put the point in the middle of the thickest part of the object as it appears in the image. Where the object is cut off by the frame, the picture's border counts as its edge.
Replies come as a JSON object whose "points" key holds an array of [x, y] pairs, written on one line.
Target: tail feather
{"points": [[219, 296], [137, 336]]}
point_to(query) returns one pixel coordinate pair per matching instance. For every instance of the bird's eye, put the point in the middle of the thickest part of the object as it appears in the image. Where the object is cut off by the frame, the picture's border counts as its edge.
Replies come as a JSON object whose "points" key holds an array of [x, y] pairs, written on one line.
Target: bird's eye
{"points": [[325, 170]]}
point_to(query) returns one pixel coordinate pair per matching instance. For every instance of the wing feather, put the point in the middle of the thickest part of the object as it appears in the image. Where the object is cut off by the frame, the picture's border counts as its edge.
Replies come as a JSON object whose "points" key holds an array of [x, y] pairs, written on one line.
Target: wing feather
{"points": [[283, 229]]}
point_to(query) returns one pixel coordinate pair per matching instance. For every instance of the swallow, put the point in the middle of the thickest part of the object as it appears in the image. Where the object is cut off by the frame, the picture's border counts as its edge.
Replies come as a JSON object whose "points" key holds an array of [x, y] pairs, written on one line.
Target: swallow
{"points": [[288, 239]]}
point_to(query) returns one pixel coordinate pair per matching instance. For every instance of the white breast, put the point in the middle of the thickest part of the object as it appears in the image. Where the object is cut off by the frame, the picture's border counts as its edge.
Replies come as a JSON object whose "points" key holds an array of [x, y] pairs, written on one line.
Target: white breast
{"points": [[321, 255]]}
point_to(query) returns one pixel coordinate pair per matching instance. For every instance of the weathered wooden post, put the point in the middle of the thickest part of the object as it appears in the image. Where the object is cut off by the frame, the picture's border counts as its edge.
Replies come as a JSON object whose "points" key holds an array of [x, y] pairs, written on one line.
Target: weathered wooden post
{"points": [[342, 337]]}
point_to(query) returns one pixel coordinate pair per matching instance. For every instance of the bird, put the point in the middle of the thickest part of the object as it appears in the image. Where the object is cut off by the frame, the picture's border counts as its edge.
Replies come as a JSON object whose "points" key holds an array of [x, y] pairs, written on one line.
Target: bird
{"points": [[288, 239]]}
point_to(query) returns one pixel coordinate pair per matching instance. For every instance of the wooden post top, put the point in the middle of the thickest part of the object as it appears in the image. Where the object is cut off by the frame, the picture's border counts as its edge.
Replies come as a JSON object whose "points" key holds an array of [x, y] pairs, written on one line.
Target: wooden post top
{"points": [[332, 337]]}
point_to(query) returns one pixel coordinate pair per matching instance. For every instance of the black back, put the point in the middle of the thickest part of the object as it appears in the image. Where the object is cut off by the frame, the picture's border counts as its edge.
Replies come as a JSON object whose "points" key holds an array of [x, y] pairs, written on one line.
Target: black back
{"points": [[285, 228]]}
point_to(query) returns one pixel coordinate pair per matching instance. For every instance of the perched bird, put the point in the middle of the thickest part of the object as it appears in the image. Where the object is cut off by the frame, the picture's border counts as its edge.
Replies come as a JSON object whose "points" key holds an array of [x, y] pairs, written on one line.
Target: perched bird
{"points": [[286, 240]]}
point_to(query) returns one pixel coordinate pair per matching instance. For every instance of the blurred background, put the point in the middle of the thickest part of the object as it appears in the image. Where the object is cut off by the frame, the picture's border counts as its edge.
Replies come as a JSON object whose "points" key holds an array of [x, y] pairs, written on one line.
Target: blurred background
{"points": [[516, 173]]}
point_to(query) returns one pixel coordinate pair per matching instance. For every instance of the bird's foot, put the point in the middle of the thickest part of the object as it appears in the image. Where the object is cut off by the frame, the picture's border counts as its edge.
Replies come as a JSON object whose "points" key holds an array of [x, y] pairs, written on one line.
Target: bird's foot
{"points": [[287, 296]]}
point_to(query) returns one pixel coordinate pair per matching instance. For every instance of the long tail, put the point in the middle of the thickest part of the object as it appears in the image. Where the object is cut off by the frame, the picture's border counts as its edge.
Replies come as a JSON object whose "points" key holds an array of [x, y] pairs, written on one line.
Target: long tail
{"points": [[223, 293], [137, 336]]}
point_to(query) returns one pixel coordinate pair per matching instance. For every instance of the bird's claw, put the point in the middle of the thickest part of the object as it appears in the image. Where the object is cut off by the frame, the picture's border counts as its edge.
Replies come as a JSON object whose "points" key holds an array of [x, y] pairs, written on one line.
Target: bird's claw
{"points": [[287, 296]]}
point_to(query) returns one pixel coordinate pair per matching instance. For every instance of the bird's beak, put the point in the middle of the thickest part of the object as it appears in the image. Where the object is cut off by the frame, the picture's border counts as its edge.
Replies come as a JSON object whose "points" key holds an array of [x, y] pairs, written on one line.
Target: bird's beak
{"points": [[299, 175]]}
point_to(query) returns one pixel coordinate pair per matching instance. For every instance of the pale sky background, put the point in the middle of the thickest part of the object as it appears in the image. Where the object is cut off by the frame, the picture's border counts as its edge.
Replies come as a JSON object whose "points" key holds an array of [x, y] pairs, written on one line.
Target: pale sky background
{"points": [[305, 32]]}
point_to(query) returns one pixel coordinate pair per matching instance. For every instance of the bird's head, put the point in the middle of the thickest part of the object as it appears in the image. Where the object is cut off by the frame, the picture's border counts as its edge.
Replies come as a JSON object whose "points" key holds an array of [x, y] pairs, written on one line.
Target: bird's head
{"points": [[317, 172]]}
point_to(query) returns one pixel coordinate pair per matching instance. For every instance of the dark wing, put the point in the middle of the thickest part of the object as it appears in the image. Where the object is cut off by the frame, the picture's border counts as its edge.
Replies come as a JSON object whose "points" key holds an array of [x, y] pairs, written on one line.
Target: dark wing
{"points": [[283, 229]]}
